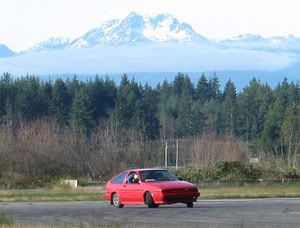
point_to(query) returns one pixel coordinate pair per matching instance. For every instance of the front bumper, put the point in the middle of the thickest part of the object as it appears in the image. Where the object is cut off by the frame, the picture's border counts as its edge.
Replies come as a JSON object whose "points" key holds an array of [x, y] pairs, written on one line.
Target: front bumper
{"points": [[180, 197]]}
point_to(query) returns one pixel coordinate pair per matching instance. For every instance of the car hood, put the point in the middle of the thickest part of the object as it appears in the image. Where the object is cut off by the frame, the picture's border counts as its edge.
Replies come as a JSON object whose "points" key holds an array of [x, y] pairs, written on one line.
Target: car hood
{"points": [[170, 184]]}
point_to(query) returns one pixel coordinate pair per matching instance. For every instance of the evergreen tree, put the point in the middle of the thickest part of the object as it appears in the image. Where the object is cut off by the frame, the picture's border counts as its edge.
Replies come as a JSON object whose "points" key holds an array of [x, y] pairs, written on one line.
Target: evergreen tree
{"points": [[177, 85], [290, 133], [28, 101], [5, 87], [61, 103], [198, 118], [230, 108], [271, 138], [82, 111], [149, 121], [214, 88], [253, 104], [103, 95], [212, 111], [203, 91], [184, 125]]}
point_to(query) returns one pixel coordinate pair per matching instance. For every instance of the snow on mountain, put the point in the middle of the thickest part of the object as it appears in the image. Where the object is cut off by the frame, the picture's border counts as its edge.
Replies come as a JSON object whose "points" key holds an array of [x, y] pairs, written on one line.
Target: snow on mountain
{"points": [[131, 30], [5, 51], [257, 42], [164, 28], [53, 43]]}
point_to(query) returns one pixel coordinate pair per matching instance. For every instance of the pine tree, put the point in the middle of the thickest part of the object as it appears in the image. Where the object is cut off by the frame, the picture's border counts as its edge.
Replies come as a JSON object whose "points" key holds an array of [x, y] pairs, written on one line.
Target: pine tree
{"points": [[149, 121], [202, 90], [82, 112], [214, 88], [230, 108], [61, 102]]}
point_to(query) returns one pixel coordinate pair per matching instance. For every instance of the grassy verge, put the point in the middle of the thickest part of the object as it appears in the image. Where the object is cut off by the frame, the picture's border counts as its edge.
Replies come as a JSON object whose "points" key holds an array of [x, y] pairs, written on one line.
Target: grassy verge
{"points": [[53, 194], [251, 191], [5, 221], [97, 193]]}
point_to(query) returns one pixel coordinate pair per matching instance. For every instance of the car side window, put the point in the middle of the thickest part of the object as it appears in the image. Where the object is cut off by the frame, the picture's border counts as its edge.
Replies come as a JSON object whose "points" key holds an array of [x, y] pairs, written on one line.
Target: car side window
{"points": [[132, 178], [119, 179]]}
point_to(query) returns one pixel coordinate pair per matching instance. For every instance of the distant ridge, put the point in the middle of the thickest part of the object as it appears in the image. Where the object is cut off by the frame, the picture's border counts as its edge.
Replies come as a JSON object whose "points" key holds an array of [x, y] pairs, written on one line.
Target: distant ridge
{"points": [[5, 51]]}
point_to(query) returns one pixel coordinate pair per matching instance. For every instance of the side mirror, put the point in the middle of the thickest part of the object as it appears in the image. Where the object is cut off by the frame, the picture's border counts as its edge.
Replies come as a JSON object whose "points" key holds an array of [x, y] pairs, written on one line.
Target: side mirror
{"points": [[180, 178]]}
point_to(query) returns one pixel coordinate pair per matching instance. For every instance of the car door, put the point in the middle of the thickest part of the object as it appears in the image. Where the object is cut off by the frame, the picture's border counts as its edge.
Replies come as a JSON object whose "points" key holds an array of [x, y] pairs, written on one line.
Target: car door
{"points": [[132, 189]]}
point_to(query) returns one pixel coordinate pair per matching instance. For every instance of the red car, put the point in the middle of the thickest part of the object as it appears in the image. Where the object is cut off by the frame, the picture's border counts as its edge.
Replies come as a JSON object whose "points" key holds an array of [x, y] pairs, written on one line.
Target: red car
{"points": [[149, 186]]}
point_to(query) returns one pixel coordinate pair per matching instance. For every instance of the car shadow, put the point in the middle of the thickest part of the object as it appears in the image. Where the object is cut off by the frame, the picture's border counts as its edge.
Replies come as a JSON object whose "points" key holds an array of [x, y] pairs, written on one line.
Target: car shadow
{"points": [[162, 207]]}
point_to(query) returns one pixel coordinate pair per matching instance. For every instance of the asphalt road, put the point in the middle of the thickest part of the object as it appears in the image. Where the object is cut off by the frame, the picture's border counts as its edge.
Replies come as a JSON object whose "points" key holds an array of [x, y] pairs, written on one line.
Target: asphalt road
{"points": [[211, 213]]}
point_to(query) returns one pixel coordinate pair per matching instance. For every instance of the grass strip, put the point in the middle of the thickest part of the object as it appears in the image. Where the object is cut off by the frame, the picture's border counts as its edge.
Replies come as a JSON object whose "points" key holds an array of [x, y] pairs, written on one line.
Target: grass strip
{"points": [[57, 194], [97, 193], [251, 191], [5, 221]]}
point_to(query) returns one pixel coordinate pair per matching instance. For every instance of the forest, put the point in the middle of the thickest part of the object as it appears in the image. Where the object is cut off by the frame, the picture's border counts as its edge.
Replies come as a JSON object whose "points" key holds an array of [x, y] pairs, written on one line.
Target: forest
{"points": [[96, 127]]}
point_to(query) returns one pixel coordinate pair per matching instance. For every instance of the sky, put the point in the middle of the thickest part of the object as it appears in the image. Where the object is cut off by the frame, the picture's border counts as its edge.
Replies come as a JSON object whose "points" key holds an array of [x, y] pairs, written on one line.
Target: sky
{"points": [[24, 23]]}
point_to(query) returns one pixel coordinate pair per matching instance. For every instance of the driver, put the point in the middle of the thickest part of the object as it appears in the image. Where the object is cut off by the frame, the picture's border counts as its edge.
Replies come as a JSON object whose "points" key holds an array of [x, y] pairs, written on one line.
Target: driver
{"points": [[135, 178]]}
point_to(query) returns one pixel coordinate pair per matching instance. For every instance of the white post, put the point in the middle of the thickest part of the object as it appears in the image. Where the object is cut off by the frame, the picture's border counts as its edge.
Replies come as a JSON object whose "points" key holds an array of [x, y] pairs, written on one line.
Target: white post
{"points": [[166, 155], [176, 154]]}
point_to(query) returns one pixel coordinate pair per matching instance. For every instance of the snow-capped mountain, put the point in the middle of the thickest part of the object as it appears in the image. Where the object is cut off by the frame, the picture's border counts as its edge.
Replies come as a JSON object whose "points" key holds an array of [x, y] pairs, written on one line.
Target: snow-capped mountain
{"points": [[133, 29], [161, 29], [53, 43], [138, 29], [257, 42], [5, 51]]}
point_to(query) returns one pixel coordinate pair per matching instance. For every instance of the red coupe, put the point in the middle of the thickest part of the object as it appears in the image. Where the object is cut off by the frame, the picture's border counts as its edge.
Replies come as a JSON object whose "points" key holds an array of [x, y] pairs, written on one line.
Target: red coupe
{"points": [[149, 186]]}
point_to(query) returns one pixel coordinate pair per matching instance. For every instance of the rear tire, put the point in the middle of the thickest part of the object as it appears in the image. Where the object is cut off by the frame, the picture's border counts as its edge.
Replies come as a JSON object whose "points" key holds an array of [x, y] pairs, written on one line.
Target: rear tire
{"points": [[190, 204], [116, 201], [149, 201]]}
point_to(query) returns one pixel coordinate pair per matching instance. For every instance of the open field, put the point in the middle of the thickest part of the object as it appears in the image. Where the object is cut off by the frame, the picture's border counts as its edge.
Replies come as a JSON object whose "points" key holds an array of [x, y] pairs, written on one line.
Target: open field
{"points": [[97, 193]]}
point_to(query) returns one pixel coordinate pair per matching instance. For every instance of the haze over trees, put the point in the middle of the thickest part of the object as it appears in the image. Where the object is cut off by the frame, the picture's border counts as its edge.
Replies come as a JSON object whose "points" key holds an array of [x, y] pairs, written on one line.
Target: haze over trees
{"points": [[80, 128]]}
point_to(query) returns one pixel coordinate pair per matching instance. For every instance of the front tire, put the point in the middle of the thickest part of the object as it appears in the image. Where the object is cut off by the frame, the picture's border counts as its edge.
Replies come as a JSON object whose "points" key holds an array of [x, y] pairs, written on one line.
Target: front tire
{"points": [[149, 200], [190, 204], [116, 201]]}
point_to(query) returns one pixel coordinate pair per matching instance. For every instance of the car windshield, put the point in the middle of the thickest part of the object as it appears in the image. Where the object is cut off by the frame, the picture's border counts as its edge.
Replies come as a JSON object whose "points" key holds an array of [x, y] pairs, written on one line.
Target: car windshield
{"points": [[157, 175]]}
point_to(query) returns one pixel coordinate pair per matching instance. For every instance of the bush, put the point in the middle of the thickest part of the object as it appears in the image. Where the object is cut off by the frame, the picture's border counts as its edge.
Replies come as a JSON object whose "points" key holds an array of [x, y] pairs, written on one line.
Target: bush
{"points": [[251, 172], [29, 182], [224, 170], [228, 170], [192, 174], [290, 174]]}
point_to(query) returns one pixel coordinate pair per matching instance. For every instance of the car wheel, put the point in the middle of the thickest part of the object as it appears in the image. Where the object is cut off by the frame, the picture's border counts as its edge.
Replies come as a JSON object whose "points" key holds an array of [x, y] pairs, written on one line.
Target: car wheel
{"points": [[190, 204], [116, 201], [149, 200]]}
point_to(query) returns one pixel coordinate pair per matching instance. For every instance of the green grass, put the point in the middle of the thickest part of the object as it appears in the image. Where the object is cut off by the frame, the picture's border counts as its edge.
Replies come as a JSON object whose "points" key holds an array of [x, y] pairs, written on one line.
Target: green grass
{"points": [[97, 193], [251, 191], [5, 221], [53, 194], [79, 225]]}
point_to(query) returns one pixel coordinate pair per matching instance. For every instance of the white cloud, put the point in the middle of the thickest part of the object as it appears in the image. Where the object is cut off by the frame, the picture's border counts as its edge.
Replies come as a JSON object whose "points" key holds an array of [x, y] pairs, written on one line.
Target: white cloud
{"points": [[24, 23]]}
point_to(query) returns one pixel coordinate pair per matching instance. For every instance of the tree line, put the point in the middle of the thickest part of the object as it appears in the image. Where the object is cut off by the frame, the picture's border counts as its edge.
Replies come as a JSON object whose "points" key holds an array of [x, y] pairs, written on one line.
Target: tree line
{"points": [[266, 118]]}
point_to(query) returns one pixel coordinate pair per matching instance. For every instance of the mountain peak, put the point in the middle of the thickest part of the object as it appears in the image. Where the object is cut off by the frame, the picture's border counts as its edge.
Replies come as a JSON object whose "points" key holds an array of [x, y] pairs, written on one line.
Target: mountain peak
{"points": [[133, 14], [5, 51], [136, 28]]}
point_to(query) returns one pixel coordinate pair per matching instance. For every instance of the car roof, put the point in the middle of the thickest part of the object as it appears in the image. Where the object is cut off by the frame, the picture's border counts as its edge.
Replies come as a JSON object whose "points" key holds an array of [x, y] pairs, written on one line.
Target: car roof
{"points": [[145, 169]]}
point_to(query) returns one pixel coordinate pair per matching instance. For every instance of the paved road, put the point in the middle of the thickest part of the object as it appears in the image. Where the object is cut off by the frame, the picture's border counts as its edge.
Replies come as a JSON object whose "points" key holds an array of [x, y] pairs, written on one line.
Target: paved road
{"points": [[212, 213]]}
